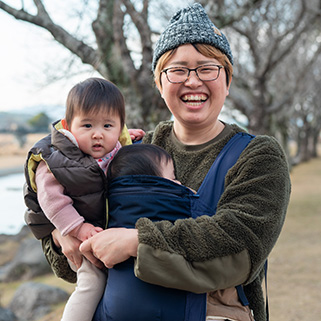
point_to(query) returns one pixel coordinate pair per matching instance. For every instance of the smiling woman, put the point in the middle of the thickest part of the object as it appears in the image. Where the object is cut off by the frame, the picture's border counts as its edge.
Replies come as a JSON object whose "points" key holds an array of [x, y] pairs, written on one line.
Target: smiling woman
{"points": [[221, 253]]}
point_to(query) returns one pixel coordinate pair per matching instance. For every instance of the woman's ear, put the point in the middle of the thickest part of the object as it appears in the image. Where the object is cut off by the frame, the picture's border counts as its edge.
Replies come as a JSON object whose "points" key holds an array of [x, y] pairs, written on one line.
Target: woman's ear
{"points": [[228, 87], [159, 86]]}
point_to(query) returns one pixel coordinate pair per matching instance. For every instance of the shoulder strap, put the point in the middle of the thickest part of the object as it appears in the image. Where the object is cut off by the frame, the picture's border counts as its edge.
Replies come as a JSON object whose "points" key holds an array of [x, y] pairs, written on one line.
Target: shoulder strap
{"points": [[213, 185]]}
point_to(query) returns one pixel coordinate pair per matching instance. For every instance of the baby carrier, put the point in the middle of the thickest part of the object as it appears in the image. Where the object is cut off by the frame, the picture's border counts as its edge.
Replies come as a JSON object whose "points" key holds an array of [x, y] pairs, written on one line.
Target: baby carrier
{"points": [[130, 197]]}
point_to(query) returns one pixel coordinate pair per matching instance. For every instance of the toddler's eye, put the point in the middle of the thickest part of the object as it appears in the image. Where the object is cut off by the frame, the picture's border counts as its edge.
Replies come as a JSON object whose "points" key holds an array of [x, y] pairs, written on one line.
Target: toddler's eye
{"points": [[87, 125], [107, 125]]}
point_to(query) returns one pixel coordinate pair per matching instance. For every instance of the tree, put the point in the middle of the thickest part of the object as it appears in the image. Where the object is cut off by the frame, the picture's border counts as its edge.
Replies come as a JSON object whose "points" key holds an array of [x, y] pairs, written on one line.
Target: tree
{"points": [[267, 37], [265, 81], [40, 122], [111, 53]]}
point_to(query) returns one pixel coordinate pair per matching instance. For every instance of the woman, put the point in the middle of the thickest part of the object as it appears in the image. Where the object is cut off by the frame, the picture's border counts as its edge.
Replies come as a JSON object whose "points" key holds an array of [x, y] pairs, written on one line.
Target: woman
{"points": [[193, 71]]}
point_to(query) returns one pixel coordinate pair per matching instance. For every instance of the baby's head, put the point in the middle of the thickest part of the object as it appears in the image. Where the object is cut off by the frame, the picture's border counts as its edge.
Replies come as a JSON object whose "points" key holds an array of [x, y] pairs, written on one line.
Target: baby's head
{"points": [[92, 96], [142, 159], [95, 115]]}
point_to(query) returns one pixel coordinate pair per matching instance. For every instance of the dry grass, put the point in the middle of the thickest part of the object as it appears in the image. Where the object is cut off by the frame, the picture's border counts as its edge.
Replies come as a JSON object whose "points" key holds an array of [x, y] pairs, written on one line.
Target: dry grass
{"points": [[294, 266], [11, 155]]}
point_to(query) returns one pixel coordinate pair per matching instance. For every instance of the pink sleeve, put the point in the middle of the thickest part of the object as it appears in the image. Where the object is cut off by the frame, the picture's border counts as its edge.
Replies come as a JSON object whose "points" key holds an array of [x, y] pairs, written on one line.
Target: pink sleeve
{"points": [[57, 206]]}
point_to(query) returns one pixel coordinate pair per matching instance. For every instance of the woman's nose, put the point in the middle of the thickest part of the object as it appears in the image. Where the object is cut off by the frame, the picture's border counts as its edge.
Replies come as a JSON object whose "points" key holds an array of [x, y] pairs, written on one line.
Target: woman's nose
{"points": [[193, 80]]}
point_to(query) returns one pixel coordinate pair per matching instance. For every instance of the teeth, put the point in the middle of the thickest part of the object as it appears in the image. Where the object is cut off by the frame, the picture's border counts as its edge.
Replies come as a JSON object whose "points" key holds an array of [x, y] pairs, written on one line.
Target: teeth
{"points": [[195, 98], [194, 104]]}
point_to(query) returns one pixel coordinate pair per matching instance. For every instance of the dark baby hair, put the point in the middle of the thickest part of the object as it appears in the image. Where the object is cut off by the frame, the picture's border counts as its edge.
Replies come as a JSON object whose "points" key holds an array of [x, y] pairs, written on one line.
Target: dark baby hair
{"points": [[138, 159]]}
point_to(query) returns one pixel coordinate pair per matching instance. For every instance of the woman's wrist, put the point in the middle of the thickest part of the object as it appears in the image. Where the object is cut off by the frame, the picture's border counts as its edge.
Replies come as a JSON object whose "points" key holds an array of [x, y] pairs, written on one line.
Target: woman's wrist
{"points": [[133, 249]]}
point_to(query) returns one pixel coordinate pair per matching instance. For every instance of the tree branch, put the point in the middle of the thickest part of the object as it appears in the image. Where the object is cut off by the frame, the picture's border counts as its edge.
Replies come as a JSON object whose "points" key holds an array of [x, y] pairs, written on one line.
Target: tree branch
{"points": [[141, 23], [220, 18], [120, 40], [87, 54]]}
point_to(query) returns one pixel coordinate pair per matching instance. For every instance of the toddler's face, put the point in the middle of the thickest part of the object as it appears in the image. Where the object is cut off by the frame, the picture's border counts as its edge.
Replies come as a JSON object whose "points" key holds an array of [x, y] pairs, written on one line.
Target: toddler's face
{"points": [[96, 134]]}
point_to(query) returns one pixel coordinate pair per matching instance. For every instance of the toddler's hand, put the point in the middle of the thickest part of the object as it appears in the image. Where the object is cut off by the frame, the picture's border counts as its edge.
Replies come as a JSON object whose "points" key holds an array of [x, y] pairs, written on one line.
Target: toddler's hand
{"points": [[136, 134], [85, 231]]}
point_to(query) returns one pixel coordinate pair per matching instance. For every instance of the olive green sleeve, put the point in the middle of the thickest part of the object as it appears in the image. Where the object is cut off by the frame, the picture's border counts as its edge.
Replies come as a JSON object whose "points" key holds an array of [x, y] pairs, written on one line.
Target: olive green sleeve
{"points": [[57, 261], [229, 248]]}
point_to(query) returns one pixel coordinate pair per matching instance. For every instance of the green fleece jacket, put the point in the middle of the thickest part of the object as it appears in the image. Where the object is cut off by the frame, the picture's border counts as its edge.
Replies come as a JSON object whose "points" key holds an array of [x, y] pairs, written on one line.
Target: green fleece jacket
{"points": [[219, 252], [231, 247]]}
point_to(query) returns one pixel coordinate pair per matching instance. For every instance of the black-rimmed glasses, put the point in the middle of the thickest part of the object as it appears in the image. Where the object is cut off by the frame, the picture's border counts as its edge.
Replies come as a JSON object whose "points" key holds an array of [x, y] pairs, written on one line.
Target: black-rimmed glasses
{"points": [[178, 75]]}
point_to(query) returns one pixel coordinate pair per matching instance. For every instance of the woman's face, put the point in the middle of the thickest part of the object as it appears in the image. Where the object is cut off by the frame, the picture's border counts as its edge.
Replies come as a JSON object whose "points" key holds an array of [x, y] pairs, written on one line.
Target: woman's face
{"points": [[194, 103]]}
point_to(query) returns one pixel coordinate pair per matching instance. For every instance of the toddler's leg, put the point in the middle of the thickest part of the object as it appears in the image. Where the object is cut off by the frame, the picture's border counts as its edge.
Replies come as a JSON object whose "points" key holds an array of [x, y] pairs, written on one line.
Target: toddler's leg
{"points": [[83, 302]]}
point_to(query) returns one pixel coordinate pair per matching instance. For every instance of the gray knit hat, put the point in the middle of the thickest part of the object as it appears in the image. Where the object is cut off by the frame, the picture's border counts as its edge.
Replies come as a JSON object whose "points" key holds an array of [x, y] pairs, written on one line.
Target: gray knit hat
{"points": [[190, 25]]}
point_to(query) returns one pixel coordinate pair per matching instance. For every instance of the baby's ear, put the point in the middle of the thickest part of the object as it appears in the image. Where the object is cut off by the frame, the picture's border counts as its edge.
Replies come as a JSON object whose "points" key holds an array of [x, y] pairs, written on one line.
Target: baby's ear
{"points": [[64, 124]]}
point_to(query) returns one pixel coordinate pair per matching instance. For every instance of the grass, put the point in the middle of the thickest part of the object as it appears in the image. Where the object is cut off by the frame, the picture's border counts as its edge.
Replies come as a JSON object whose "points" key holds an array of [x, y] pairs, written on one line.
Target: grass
{"points": [[294, 283]]}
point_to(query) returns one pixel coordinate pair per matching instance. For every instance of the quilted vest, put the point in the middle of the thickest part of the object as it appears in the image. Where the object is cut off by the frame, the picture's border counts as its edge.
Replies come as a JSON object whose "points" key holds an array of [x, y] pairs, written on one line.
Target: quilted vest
{"points": [[79, 174]]}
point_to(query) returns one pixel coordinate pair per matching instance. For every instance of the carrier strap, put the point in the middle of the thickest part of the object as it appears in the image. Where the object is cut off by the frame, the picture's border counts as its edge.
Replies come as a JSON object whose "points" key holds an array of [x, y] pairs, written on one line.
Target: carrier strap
{"points": [[213, 185], [266, 292]]}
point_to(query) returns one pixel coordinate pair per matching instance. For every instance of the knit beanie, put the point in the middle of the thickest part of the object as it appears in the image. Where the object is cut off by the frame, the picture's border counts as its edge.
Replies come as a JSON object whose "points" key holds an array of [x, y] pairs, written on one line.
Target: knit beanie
{"points": [[190, 25]]}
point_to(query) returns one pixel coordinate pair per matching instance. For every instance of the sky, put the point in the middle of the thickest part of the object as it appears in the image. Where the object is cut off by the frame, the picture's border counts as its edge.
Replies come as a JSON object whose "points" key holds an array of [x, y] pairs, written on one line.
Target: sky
{"points": [[27, 55]]}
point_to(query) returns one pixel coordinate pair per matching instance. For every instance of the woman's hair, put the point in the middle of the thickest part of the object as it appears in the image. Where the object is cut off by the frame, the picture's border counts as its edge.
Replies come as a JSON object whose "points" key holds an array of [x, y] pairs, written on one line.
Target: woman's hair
{"points": [[207, 51], [138, 159], [94, 95]]}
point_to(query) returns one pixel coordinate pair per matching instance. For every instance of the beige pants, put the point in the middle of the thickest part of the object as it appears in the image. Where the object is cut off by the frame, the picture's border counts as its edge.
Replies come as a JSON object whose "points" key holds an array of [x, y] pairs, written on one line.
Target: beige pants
{"points": [[83, 302]]}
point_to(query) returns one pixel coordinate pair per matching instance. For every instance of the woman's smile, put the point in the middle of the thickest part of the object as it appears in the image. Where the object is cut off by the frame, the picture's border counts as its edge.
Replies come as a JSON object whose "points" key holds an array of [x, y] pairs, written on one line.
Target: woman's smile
{"points": [[194, 100]]}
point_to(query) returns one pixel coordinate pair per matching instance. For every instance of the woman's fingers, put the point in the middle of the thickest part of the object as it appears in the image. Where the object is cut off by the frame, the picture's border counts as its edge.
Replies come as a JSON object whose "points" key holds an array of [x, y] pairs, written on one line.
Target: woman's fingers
{"points": [[111, 246]]}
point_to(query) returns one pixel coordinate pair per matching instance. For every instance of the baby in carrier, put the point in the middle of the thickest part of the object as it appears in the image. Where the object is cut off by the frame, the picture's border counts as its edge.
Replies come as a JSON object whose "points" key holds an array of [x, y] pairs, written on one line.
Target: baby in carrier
{"points": [[142, 183]]}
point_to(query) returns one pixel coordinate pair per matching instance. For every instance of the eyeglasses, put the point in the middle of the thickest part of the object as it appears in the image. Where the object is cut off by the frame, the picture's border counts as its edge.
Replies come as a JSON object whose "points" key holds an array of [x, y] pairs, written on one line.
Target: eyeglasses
{"points": [[178, 75]]}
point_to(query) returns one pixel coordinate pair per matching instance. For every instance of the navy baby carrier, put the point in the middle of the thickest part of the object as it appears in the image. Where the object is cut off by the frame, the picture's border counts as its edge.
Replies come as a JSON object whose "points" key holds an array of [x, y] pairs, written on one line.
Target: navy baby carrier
{"points": [[126, 297]]}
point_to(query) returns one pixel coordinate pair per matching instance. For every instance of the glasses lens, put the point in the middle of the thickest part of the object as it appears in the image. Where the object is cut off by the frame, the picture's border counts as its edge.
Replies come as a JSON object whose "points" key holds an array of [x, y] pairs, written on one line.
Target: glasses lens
{"points": [[177, 74], [207, 73], [204, 73]]}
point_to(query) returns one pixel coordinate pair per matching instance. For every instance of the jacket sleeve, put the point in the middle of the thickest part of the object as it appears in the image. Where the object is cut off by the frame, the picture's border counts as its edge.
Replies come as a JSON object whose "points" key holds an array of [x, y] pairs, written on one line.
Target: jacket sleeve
{"points": [[229, 248], [57, 206]]}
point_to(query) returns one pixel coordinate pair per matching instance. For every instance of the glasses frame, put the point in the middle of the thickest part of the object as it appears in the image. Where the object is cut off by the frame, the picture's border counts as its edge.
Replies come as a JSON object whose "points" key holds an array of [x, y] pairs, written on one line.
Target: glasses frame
{"points": [[189, 73]]}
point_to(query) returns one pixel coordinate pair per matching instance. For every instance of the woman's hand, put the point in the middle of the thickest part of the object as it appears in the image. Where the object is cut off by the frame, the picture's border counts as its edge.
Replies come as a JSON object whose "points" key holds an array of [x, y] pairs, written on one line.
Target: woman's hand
{"points": [[111, 246], [70, 248]]}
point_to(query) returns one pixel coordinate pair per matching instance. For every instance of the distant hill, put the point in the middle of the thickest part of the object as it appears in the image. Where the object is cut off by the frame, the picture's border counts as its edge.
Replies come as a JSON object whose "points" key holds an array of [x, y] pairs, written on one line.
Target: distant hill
{"points": [[8, 119], [21, 117]]}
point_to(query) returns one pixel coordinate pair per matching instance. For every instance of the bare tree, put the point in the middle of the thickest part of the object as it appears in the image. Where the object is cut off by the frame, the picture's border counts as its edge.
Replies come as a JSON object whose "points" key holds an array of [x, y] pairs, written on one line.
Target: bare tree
{"points": [[275, 44], [306, 120], [264, 83], [112, 54]]}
